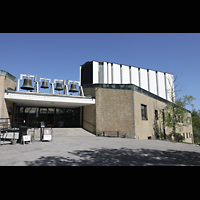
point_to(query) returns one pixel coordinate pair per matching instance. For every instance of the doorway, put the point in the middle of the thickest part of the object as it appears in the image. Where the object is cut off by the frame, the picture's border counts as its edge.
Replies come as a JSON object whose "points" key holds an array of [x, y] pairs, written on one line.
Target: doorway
{"points": [[52, 117]]}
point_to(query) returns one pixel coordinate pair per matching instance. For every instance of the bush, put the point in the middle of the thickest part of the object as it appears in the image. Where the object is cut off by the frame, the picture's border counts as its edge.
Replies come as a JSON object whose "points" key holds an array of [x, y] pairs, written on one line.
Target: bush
{"points": [[178, 137], [161, 135], [196, 133], [169, 136]]}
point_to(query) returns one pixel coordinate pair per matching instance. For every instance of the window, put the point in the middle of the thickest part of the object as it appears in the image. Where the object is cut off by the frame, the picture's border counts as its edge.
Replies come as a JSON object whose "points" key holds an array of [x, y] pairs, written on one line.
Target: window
{"points": [[144, 112], [56, 117], [156, 115]]}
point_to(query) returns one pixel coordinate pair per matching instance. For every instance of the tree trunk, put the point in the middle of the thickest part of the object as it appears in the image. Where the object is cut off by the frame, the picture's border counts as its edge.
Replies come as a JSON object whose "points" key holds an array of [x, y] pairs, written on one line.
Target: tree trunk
{"points": [[174, 122]]}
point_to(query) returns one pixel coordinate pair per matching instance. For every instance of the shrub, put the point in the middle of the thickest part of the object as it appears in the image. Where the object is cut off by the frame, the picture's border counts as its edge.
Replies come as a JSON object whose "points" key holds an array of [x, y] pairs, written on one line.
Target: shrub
{"points": [[178, 137]]}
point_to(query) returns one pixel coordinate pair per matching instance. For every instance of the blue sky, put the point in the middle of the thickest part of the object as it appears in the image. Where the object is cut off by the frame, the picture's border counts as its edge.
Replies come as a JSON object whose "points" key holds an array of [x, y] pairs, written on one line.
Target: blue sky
{"points": [[59, 55]]}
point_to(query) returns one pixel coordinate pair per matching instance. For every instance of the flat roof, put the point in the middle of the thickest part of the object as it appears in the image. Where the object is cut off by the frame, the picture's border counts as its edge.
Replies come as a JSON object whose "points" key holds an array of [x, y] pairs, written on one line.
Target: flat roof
{"points": [[10, 76], [47, 100], [127, 66]]}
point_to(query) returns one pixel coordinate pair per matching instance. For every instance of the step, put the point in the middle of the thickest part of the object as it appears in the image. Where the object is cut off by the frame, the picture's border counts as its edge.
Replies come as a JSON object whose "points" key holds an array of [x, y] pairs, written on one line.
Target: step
{"points": [[71, 132]]}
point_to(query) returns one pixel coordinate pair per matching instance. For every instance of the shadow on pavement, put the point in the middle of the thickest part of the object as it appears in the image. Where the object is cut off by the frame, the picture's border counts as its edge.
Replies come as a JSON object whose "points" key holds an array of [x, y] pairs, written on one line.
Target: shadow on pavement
{"points": [[120, 157]]}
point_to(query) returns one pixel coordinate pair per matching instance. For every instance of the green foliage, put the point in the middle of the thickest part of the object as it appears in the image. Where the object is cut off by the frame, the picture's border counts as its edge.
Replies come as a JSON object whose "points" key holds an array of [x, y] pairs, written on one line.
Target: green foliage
{"points": [[196, 125], [196, 119], [162, 135], [178, 137], [176, 116], [156, 129]]}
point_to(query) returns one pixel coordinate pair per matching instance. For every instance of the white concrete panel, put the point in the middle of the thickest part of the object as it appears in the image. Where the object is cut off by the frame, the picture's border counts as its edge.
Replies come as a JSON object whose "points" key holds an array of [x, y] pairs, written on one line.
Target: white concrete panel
{"points": [[105, 71], [169, 86], [101, 73], [116, 74], [143, 79], [47, 100], [109, 73], [152, 82], [95, 72], [161, 85], [134, 76], [125, 74]]}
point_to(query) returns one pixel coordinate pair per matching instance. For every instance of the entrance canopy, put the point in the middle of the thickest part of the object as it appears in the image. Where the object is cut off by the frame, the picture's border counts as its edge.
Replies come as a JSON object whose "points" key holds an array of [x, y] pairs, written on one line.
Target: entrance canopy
{"points": [[47, 100]]}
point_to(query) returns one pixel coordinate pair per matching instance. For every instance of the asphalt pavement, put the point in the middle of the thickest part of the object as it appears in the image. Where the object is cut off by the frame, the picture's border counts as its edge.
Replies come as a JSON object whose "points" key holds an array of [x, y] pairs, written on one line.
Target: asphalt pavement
{"points": [[76, 150]]}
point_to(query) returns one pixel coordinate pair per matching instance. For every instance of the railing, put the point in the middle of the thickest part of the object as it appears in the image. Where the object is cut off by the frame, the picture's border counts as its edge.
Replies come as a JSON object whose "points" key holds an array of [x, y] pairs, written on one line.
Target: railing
{"points": [[9, 123], [5, 124]]}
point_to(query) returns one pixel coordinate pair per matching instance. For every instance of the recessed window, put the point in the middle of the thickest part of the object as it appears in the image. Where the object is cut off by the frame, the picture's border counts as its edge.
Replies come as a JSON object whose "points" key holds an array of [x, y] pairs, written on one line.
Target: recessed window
{"points": [[156, 115], [144, 112]]}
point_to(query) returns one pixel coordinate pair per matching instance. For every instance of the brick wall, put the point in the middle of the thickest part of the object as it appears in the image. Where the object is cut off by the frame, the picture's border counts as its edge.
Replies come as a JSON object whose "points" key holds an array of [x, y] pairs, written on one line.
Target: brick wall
{"points": [[120, 110], [114, 111], [144, 127], [5, 82]]}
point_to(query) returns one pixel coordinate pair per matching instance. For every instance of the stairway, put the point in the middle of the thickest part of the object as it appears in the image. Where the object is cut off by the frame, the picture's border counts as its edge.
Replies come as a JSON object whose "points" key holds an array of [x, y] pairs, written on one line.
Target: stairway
{"points": [[73, 132]]}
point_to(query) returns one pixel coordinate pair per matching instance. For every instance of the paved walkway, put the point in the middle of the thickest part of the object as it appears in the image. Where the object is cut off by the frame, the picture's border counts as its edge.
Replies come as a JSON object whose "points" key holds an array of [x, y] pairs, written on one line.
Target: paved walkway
{"points": [[99, 151]]}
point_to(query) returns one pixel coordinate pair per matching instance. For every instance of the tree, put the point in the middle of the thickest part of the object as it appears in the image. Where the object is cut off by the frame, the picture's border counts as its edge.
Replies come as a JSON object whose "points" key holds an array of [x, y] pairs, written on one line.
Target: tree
{"points": [[196, 125], [175, 113]]}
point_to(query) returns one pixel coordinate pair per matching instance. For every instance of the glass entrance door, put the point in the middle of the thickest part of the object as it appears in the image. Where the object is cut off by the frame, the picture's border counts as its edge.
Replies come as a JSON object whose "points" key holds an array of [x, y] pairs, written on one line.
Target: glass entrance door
{"points": [[46, 115], [52, 117]]}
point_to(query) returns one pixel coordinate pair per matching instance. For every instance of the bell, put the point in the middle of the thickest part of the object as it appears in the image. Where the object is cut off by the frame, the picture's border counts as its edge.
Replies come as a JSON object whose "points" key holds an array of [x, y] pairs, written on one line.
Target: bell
{"points": [[45, 84], [73, 88], [27, 84], [58, 86]]}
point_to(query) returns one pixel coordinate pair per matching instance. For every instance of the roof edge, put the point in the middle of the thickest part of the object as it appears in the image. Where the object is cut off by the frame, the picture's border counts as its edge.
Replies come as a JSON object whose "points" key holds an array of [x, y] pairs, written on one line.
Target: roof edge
{"points": [[127, 66], [6, 74]]}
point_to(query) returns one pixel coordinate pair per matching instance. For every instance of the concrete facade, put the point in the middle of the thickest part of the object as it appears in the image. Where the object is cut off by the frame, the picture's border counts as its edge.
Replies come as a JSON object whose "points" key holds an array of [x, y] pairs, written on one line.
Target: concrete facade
{"points": [[156, 82]]}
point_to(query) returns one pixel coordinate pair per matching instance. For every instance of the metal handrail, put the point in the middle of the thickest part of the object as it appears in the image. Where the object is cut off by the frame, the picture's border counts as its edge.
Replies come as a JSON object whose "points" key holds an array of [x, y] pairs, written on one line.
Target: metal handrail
{"points": [[5, 124]]}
